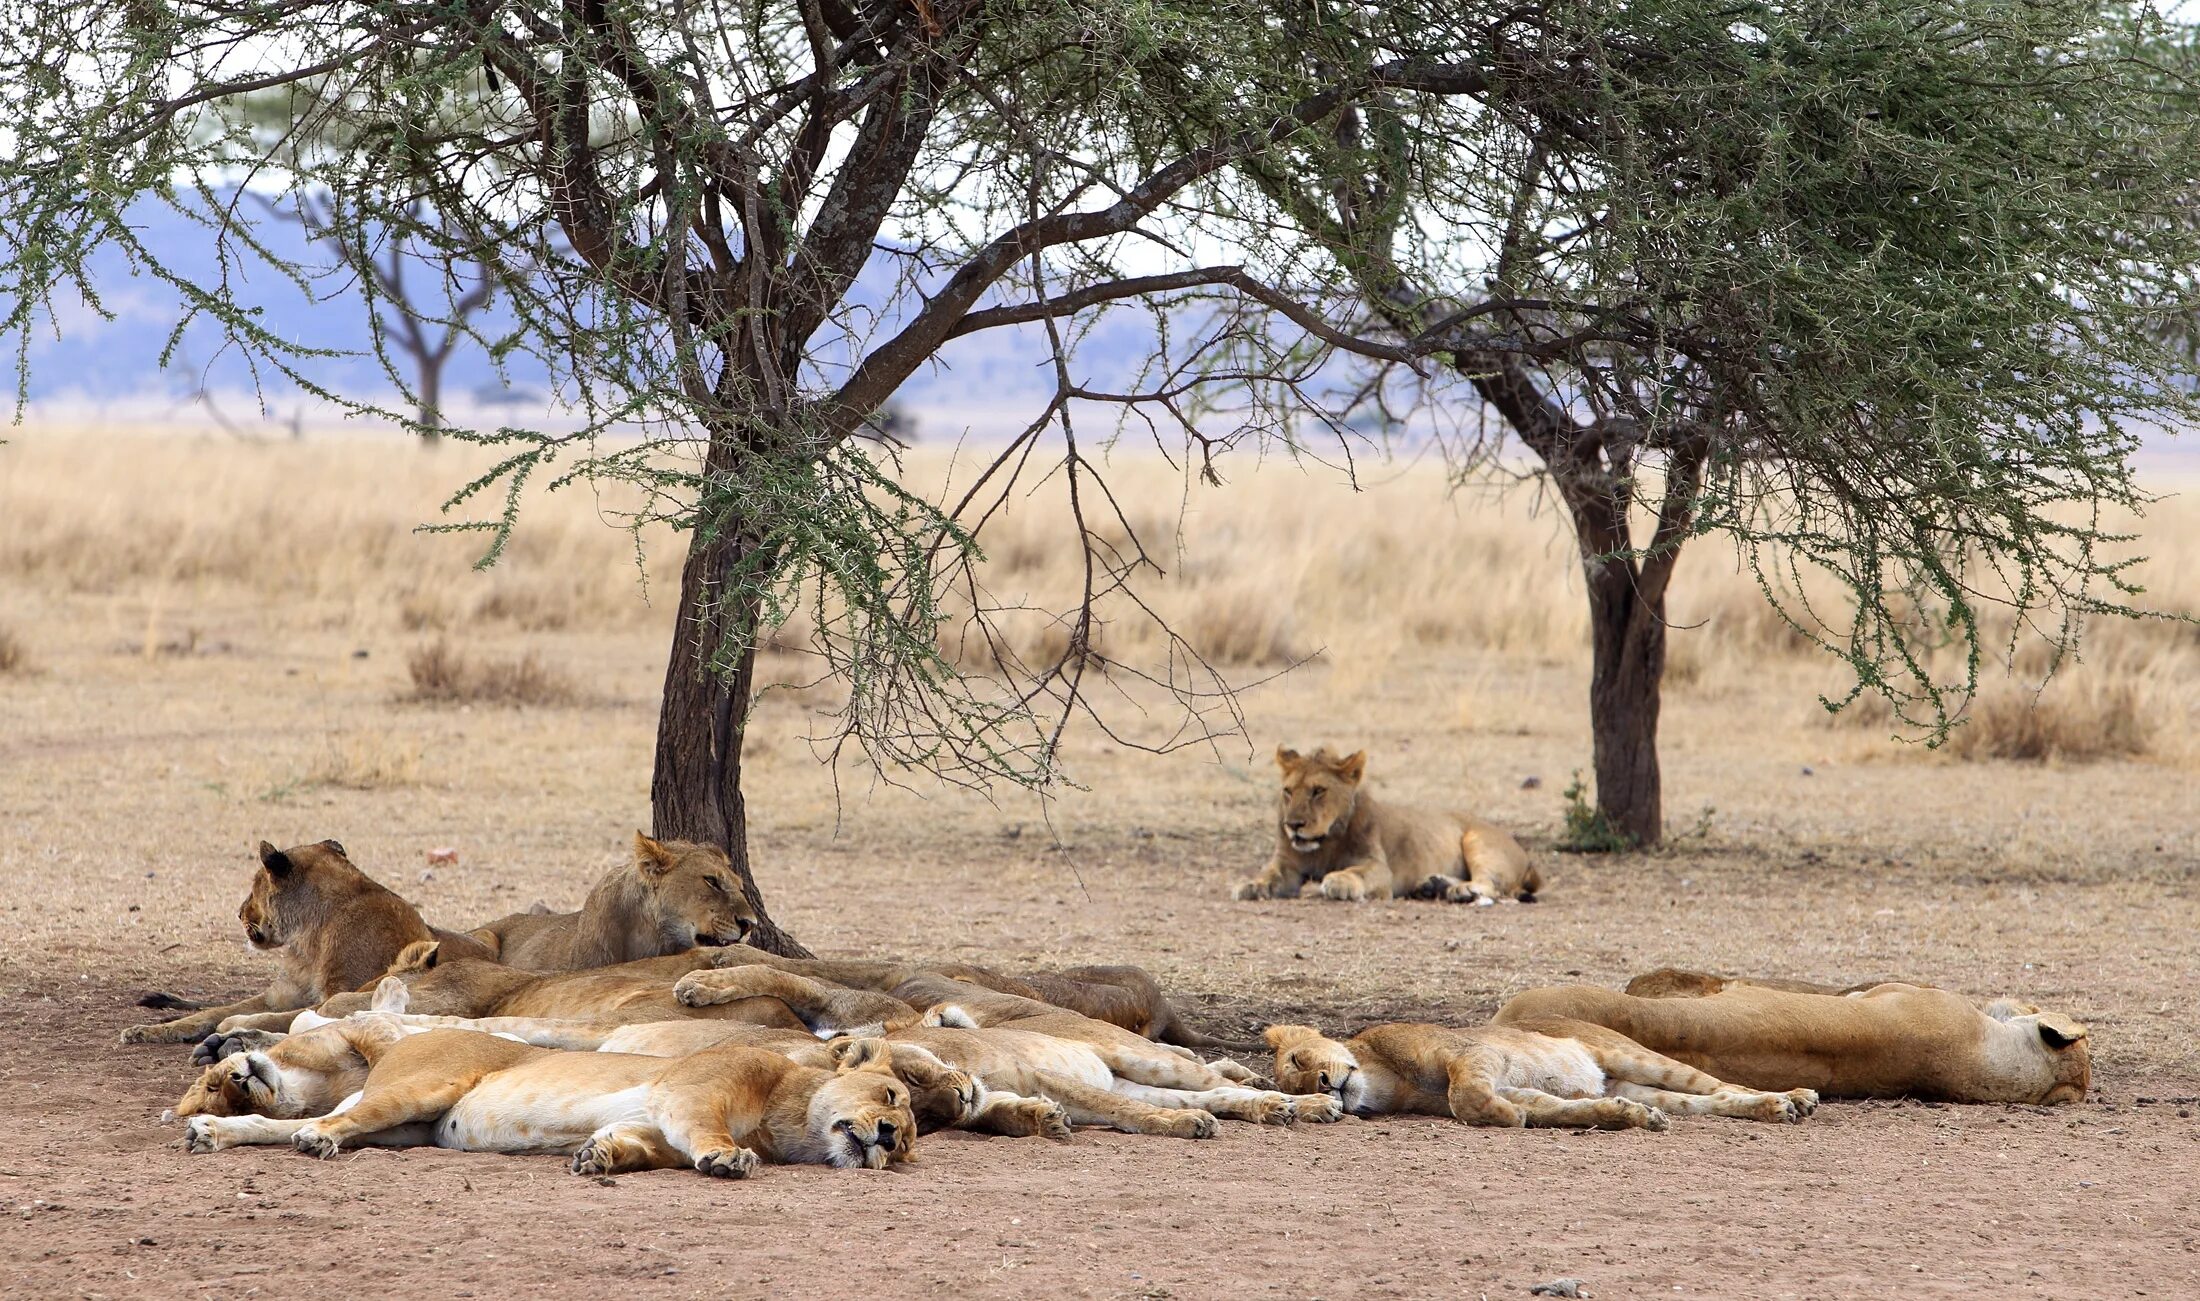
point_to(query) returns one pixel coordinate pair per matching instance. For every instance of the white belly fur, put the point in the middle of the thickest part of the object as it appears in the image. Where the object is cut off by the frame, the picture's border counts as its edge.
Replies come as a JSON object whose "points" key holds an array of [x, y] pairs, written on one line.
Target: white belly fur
{"points": [[522, 1116], [1564, 1069]]}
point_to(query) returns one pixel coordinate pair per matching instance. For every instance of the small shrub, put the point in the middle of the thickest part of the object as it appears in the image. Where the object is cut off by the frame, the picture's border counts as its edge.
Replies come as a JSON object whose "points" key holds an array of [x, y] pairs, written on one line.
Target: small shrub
{"points": [[1588, 831], [1241, 628], [2069, 721], [444, 675], [13, 658], [366, 762]]}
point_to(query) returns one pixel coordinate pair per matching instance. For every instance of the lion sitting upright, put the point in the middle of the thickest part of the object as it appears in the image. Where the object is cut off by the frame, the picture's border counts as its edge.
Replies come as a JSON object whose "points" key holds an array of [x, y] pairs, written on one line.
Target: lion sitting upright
{"points": [[1331, 830]]}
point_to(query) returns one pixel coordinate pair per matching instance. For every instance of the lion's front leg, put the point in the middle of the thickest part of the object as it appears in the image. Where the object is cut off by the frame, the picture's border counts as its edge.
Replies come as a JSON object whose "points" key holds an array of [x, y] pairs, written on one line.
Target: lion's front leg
{"points": [[1281, 879], [695, 1126], [1367, 879], [274, 1022], [1015, 1116], [198, 1025], [202, 1134]]}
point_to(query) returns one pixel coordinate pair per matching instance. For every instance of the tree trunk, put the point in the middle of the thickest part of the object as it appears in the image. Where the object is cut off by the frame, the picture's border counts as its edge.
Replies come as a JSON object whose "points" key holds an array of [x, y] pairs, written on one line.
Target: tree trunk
{"points": [[1627, 633], [695, 793], [430, 412]]}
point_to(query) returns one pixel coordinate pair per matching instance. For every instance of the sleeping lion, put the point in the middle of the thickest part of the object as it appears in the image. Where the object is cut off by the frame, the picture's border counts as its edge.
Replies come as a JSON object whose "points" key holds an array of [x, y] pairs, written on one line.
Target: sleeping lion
{"points": [[723, 1110]]}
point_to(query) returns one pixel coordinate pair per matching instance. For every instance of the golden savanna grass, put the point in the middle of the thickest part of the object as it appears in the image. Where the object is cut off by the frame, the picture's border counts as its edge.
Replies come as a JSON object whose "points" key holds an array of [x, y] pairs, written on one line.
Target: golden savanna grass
{"points": [[1286, 564]]}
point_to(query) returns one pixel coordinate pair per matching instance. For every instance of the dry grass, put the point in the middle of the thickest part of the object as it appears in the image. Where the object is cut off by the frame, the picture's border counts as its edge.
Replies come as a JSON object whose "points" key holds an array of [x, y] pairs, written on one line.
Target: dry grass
{"points": [[1285, 564], [367, 761], [13, 657], [442, 674]]}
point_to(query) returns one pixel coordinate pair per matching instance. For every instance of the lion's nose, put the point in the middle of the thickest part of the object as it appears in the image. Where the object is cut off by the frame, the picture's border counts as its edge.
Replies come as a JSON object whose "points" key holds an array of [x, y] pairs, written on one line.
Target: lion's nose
{"points": [[886, 1133], [1295, 825], [742, 927]]}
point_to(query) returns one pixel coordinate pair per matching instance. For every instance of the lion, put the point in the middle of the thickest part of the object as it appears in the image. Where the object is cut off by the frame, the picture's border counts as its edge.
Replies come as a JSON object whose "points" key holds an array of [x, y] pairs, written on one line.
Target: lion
{"points": [[675, 895], [330, 925], [1676, 982], [1549, 1073], [724, 1110], [1330, 829], [1888, 1041]]}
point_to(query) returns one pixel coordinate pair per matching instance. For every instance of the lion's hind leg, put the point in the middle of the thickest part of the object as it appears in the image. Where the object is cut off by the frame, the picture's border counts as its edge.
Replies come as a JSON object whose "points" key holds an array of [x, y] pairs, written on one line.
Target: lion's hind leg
{"points": [[1016, 1116], [1088, 1104], [1549, 1111], [822, 1006], [1635, 1072], [617, 1149]]}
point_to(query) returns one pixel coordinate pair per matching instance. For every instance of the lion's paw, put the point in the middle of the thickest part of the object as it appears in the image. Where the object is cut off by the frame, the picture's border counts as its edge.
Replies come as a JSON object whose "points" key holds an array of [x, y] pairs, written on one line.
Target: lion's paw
{"points": [[1345, 887], [1189, 1123], [216, 1046], [691, 991], [1464, 892], [1042, 1118], [144, 1034], [1639, 1116], [199, 1137], [594, 1158], [312, 1141], [969, 1094], [1805, 1102], [1249, 890], [1317, 1108], [1269, 1108], [728, 1163]]}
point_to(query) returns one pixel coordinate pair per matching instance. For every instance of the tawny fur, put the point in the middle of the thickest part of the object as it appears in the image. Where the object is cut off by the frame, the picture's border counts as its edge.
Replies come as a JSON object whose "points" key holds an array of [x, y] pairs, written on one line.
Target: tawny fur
{"points": [[331, 928], [1549, 1074], [672, 896], [1892, 1040], [628, 993], [1332, 833]]}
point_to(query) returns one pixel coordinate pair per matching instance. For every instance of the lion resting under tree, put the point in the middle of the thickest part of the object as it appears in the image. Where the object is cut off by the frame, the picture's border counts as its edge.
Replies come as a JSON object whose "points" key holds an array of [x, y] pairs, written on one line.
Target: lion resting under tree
{"points": [[1333, 833]]}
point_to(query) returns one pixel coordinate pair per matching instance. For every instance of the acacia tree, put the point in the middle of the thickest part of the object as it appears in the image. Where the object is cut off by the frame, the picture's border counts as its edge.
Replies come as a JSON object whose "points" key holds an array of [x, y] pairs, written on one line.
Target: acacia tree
{"points": [[732, 231], [1863, 289]]}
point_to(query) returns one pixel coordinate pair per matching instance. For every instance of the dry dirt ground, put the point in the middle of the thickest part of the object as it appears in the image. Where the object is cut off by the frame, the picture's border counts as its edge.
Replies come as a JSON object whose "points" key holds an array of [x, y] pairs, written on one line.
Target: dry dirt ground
{"points": [[132, 784]]}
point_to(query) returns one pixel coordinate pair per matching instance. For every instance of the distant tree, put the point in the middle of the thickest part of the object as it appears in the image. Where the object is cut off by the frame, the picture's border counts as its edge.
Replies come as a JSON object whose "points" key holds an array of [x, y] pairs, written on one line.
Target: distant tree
{"points": [[1871, 291], [678, 203]]}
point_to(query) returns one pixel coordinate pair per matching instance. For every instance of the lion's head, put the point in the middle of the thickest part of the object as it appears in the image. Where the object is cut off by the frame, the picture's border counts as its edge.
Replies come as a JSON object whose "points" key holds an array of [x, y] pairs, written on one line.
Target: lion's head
{"points": [[860, 1114], [1308, 1061], [2064, 1045], [1319, 791], [290, 891], [303, 1075], [687, 894]]}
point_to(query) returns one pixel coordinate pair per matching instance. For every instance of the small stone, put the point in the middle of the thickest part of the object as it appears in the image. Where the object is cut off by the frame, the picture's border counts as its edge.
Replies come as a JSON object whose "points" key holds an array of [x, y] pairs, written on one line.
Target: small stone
{"points": [[1531, 782], [443, 856], [605, 1180], [426, 876], [1807, 772], [1557, 1287], [147, 1242]]}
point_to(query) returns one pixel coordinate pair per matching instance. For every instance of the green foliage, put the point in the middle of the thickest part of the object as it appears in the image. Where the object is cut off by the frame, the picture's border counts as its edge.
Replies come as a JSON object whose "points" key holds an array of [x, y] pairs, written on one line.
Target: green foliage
{"points": [[1588, 829]]}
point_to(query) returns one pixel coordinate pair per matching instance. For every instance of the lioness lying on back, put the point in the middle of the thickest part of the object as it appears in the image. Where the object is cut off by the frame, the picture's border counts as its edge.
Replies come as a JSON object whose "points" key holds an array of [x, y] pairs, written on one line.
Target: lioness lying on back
{"points": [[331, 927], [1546, 1073], [1331, 830], [1889, 1041], [673, 896], [723, 1110]]}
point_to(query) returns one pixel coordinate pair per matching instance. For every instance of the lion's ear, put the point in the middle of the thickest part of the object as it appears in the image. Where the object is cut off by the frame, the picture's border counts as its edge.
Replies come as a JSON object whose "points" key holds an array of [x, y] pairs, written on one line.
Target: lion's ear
{"points": [[1353, 766], [1280, 1037], [2059, 1032], [862, 1055], [274, 860], [335, 847], [652, 856], [420, 955], [1288, 760]]}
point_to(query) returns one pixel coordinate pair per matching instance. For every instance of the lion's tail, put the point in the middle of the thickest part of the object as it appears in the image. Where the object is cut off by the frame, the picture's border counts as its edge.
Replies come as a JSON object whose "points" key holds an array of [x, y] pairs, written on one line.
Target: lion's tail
{"points": [[170, 1003]]}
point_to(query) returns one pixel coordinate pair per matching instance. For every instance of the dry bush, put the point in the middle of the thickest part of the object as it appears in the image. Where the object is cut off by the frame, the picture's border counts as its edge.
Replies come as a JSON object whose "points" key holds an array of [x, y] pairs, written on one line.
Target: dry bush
{"points": [[1239, 628], [13, 658], [443, 674], [366, 762], [2070, 721]]}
